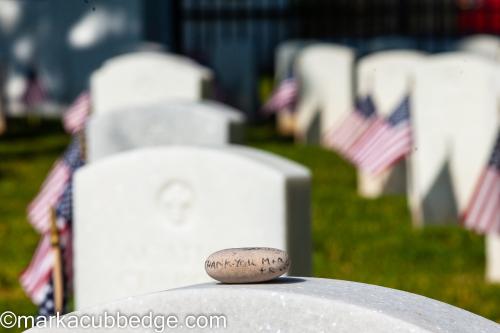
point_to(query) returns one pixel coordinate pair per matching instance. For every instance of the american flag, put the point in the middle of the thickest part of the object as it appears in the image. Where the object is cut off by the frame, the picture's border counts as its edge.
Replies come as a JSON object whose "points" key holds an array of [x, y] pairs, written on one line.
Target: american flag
{"points": [[385, 142], [75, 117], [47, 307], [284, 96], [55, 197], [483, 212], [39, 210], [342, 137], [37, 278]]}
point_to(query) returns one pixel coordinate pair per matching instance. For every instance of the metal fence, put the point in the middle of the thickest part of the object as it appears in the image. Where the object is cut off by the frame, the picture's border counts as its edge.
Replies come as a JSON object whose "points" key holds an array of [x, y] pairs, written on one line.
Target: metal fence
{"points": [[205, 29], [265, 23]]}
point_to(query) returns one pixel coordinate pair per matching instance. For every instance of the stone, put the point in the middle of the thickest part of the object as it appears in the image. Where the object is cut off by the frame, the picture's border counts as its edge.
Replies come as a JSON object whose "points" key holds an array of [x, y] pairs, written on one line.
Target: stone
{"points": [[296, 304], [247, 265], [167, 123], [145, 220], [386, 76], [325, 75], [455, 123], [139, 78], [493, 258]]}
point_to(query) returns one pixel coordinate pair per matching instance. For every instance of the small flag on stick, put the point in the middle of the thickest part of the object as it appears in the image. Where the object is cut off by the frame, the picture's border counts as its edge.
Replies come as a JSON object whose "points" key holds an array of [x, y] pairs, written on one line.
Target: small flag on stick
{"points": [[37, 276], [284, 96], [45, 280], [385, 142], [53, 187], [55, 292], [342, 137], [483, 212]]}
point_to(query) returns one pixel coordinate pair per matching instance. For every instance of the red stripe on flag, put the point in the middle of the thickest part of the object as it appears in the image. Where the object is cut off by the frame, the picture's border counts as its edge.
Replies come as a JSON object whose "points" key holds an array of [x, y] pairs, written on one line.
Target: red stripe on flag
{"points": [[338, 138], [343, 137], [284, 97], [392, 145], [483, 211], [37, 275], [358, 148], [51, 191]]}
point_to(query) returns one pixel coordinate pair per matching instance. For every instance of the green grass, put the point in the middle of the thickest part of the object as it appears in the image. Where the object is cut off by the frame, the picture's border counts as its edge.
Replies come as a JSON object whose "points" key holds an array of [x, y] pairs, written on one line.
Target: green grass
{"points": [[26, 154], [369, 241]]}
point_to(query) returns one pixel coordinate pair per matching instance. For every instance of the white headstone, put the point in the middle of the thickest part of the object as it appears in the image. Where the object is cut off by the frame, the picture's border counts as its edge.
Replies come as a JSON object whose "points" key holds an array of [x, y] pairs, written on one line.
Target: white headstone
{"points": [[142, 78], [285, 57], [325, 72], [146, 220], [487, 46], [169, 123], [493, 258], [295, 305], [387, 77], [455, 123]]}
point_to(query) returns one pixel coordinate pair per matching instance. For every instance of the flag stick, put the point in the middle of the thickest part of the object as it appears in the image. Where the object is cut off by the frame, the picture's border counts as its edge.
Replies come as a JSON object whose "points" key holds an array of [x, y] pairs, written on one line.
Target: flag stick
{"points": [[57, 272], [83, 145]]}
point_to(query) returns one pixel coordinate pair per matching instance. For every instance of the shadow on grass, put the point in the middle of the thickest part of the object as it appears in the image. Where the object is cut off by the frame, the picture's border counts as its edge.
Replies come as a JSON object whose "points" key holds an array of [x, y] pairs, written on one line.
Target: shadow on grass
{"points": [[28, 139], [27, 128], [31, 154]]}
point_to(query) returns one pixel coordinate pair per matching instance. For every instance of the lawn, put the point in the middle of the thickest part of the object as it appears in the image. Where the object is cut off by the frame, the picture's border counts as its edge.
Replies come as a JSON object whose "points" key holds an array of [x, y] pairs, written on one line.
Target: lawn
{"points": [[355, 239]]}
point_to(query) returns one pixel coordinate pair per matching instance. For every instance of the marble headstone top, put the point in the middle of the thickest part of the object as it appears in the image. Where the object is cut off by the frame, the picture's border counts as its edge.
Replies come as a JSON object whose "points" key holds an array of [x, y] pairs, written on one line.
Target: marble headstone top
{"points": [[325, 74], [297, 304], [455, 121], [487, 46], [166, 123], [140, 78]]}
